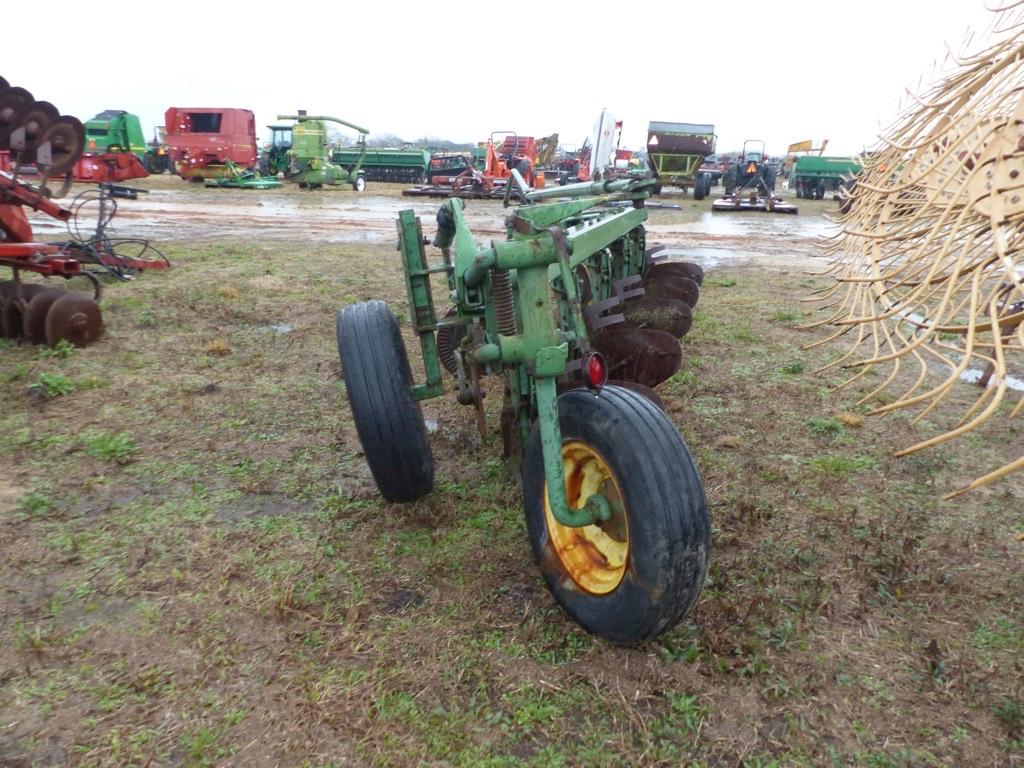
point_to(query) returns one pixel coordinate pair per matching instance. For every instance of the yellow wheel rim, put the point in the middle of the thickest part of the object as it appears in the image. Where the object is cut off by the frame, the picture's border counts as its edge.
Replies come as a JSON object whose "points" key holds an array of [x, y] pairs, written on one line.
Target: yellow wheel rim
{"points": [[595, 556]]}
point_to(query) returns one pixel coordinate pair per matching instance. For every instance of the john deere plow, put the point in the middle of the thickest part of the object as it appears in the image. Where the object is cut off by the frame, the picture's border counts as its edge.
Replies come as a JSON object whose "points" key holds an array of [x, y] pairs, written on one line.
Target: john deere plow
{"points": [[583, 322]]}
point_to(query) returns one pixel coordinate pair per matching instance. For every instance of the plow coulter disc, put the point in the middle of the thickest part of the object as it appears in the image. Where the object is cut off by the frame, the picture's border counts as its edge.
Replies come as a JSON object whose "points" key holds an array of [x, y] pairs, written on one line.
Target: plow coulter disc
{"points": [[643, 355], [675, 269], [668, 315], [33, 322], [74, 317], [671, 287]]}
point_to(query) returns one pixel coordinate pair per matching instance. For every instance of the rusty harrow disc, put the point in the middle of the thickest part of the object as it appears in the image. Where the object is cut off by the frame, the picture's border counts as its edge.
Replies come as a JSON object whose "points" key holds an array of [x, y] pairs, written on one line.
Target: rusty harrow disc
{"points": [[33, 321], [35, 117], [12, 99], [12, 307], [74, 317]]}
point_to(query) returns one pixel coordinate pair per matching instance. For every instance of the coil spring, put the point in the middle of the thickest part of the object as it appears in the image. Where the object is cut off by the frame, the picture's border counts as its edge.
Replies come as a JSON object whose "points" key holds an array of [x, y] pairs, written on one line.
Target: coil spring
{"points": [[504, 307]]}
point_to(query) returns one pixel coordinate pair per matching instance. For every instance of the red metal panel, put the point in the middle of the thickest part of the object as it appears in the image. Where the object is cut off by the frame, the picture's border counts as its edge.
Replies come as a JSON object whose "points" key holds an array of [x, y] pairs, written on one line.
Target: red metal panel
{"points": [[195, 140]]}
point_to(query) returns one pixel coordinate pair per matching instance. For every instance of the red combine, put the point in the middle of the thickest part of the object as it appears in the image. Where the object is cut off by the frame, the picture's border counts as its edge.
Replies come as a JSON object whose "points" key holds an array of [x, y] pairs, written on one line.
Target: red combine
{"points": [[201, 141]]}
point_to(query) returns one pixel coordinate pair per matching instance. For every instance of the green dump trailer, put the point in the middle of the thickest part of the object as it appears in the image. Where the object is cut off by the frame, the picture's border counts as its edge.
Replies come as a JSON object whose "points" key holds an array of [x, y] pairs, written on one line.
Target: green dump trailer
{"points": [[675, 152], [405, 166], [814, 175]]}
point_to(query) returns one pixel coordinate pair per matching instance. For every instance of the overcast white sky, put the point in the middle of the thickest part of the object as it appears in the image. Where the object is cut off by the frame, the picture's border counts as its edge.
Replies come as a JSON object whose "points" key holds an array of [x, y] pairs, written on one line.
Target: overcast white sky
{"points": [[777, 70]]}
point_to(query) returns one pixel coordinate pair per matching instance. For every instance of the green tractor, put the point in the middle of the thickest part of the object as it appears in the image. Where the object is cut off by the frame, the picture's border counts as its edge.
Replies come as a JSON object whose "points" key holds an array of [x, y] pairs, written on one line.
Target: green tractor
{"points": [[581, 320], [309, 157], [274, 157], [750, 184]]}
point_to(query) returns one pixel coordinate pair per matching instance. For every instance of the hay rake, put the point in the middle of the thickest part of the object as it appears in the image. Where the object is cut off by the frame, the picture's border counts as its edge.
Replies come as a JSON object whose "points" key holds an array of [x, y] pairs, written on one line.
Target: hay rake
{"points": [[929, 262]]}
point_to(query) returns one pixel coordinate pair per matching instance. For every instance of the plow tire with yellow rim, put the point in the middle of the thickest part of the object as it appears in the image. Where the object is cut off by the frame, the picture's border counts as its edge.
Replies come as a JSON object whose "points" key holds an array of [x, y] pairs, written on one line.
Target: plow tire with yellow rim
{"points": [[638, 574], [378, 380]]}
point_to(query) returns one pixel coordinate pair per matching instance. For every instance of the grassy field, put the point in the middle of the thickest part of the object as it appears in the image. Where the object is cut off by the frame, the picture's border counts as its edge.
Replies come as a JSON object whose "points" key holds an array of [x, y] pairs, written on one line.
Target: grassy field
{"points": [[196, 569]]}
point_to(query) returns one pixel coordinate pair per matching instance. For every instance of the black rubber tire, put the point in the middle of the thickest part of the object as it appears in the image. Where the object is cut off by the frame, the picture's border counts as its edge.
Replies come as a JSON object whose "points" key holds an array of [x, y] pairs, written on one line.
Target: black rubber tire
{"points": [[378, 380], [698, 187], [667, 515]]}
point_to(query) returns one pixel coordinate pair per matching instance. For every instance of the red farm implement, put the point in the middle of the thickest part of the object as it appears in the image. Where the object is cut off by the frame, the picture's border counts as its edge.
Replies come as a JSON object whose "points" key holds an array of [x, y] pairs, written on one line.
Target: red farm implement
{"points": [[514, 152], [35, 139], [34, 133], [201, 141]]}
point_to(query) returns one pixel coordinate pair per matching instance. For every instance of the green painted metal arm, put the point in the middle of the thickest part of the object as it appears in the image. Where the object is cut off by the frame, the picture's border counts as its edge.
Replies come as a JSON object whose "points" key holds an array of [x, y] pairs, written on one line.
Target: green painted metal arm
{"points": [[585, 188], [306, 118]]}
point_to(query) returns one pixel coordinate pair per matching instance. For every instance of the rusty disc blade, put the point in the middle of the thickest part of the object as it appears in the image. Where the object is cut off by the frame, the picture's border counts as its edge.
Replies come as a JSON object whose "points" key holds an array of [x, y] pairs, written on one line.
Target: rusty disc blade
{"points": [[12, 306], [677, 269], [67, 141], [34, 117], [74, 317], [33, 321], [10, 312], [643, 355], [672, 287], [669, 315], [11, 101]]}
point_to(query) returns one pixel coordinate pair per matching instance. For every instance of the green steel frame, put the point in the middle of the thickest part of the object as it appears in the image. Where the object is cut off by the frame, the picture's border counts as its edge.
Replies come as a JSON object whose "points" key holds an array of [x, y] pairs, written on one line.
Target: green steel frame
{"points": [[547, 245]]}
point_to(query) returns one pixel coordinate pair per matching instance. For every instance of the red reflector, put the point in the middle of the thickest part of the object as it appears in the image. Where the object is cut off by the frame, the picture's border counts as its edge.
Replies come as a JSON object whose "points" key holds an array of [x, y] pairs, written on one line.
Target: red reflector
{"points": [[594, 371]]}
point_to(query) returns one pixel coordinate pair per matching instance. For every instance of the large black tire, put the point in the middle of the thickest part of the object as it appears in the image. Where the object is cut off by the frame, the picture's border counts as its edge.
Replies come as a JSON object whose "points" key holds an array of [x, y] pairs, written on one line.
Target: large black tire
{"points": [[664, 513], [698, 187], [378, 380]]}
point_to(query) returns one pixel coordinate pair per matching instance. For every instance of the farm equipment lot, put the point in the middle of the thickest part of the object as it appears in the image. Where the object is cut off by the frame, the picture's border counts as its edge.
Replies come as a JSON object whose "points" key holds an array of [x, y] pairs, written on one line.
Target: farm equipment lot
{"points": [[198, 570]]}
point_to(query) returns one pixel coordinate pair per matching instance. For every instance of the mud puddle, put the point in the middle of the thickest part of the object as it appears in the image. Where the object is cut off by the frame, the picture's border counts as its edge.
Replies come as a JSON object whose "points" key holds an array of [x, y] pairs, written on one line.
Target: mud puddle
{"points": [[343, 216]]}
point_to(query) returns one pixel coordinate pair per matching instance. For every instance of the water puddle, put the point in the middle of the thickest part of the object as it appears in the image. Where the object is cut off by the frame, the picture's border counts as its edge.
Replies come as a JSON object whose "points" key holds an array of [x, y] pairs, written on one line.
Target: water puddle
{"points": [[973, 376]]}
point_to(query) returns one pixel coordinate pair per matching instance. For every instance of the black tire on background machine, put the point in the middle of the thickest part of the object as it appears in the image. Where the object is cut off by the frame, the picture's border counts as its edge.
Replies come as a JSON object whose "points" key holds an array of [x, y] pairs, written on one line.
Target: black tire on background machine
{"points": [[669, 530], [378, 380]]}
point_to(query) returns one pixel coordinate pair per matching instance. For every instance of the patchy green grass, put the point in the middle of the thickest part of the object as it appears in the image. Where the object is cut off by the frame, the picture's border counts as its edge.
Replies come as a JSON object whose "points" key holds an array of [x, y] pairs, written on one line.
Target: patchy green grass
{"points": [[198, 571]]}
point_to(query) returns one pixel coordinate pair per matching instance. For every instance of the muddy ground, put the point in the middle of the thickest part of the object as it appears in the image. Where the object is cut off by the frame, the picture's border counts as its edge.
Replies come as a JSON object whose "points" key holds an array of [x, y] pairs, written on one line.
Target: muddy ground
{"points": [[196, 570]]}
